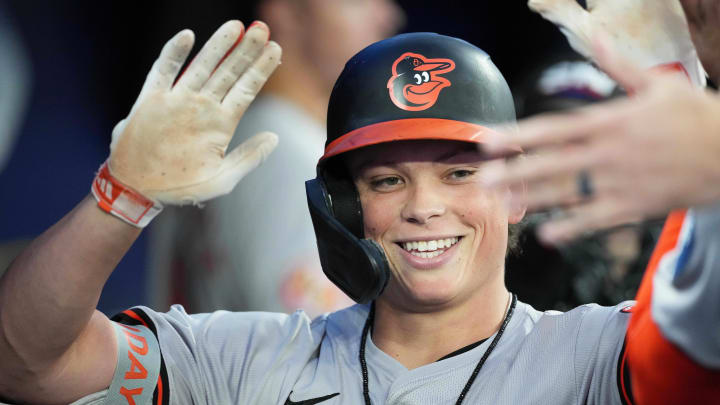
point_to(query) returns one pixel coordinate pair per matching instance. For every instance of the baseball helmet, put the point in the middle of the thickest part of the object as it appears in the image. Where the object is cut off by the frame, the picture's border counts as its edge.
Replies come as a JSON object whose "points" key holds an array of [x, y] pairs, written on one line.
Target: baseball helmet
{"points": [[408, 87]]}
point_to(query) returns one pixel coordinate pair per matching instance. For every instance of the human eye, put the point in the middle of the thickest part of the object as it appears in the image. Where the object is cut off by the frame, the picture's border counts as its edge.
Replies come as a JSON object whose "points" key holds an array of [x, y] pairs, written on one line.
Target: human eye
{"points": [[385, 183], [461, 174]]}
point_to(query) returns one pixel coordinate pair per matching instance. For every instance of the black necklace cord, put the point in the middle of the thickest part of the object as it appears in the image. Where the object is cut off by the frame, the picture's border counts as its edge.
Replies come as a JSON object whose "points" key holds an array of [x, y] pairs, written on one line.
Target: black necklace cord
{"points": [[370, 320], [363, 363], [489, 350]]}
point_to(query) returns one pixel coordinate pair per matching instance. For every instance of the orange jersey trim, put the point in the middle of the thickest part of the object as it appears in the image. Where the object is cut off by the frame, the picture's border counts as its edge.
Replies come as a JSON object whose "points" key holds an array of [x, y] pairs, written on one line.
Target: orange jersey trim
{"points": [[660, 372], [163, 372]]}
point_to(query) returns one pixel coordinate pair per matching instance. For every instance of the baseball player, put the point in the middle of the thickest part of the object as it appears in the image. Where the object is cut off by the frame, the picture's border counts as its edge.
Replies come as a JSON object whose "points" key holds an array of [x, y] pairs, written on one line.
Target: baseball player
{"points": [[405, 226]]}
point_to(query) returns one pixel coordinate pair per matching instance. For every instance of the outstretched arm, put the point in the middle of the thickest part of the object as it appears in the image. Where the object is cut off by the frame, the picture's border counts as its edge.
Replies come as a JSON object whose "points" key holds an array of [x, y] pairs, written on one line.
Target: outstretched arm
{"points": [[703, 17], [51, 336], [171, 149]]}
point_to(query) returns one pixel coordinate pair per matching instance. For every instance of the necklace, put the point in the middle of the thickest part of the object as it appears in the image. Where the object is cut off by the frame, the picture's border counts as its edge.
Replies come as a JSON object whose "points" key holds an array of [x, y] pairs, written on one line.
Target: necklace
{"points": [[468, 384]]}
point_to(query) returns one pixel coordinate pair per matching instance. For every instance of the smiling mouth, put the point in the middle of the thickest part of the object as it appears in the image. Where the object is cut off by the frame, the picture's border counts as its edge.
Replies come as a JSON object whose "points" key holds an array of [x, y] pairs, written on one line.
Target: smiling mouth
{"points": [[427, 249]]}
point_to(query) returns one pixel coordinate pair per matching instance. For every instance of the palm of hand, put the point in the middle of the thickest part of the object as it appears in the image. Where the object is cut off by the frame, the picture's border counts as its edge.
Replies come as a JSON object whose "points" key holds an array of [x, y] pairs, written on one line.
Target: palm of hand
{"points": [[162, 154]]}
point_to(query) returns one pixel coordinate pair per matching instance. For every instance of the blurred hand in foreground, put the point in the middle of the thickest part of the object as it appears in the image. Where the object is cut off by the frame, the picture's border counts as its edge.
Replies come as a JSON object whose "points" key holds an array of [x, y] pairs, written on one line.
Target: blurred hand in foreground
{"points": [[620, 161]]}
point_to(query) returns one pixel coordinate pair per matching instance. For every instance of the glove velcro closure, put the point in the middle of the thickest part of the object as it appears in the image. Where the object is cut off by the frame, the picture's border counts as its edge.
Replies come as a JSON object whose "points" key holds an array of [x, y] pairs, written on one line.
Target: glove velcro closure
{"points": [[121, 201]]}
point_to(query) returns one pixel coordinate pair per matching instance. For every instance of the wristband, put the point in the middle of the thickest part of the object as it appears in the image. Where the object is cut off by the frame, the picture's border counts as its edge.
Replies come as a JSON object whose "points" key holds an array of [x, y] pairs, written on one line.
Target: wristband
{"points": [[122, 201]]}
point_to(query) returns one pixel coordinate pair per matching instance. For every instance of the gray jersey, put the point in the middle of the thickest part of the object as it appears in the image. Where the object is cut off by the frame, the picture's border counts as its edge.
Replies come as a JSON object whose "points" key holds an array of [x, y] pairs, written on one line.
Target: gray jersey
{"points": [[260, 358], [543, 357]]}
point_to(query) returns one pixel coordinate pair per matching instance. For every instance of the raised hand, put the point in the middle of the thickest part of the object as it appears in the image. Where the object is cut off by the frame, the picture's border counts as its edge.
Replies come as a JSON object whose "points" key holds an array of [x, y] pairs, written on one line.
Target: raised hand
{"points": [[648, 33], [172, 146]]}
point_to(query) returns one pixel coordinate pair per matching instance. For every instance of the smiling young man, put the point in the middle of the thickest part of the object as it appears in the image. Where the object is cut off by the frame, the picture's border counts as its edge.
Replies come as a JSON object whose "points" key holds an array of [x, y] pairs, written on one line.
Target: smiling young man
{"points": [[445, 238], [404, 226]]}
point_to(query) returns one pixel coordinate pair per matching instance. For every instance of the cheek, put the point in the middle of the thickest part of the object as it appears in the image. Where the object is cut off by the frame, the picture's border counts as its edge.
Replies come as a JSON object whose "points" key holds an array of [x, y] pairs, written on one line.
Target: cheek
{"points": [[480, 210], [377, 216], [373, 220]]}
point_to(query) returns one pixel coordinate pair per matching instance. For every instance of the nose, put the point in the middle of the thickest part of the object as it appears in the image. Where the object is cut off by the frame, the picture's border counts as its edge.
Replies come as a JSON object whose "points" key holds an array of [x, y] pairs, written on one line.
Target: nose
{"points": [[424, 203]]}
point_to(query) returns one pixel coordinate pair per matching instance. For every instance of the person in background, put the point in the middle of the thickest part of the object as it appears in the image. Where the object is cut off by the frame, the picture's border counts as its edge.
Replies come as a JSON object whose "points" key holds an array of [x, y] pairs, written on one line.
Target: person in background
{"points": [[209, 259]]}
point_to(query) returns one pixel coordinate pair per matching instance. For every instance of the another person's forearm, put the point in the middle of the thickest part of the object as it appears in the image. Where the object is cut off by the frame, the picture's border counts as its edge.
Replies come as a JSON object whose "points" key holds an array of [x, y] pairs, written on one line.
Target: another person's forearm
{"points": [[672, 350], [50, 292], [703, 18]]}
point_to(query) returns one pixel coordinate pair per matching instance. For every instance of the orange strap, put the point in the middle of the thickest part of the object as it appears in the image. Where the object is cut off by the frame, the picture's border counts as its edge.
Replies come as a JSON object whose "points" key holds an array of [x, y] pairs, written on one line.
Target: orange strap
{"points": [[122, 201]]}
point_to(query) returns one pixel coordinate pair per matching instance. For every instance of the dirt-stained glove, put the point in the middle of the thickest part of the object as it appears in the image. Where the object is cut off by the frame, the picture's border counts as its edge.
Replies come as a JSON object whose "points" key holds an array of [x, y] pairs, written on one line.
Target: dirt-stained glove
{"points": [[171, 148], [649, 33]]}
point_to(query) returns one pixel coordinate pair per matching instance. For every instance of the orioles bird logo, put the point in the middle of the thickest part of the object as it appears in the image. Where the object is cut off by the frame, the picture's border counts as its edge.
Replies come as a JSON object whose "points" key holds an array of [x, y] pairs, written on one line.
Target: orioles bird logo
{"points": [[416, 82]]}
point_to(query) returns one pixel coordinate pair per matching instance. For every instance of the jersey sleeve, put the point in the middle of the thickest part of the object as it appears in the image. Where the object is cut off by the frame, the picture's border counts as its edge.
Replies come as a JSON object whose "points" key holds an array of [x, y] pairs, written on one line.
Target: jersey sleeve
{"points": [[598, 354], [673, 340], [215, 358]]}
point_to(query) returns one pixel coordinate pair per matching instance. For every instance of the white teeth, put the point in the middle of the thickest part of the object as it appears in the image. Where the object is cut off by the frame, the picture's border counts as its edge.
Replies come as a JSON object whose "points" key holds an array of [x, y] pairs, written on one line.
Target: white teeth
{"points": [[427, 255], [430, 248]]}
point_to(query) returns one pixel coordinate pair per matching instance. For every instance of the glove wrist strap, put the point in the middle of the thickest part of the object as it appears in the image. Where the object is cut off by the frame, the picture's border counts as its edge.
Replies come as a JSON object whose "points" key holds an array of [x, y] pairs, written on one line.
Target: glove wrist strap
{"points": [[673, 67], [121, 201]]}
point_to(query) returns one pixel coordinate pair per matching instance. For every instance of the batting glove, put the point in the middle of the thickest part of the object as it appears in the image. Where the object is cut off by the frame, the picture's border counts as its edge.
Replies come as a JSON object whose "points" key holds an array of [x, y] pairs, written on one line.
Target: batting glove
{"points": [[171, 148], [649, 33]]}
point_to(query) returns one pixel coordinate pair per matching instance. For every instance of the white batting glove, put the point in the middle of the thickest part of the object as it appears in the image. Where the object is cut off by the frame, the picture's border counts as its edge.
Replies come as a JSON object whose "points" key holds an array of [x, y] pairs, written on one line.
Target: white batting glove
{"points": [[649, 33], [171, 148]]}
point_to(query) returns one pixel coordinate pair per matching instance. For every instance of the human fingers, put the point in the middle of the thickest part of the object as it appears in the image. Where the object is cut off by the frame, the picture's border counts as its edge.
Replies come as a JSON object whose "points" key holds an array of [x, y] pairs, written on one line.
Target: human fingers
{"points": [[251, 81], [547, 162], [168, 64], [205, 62], [559, 191], [550, 129], [239, 59], [597, 214]]}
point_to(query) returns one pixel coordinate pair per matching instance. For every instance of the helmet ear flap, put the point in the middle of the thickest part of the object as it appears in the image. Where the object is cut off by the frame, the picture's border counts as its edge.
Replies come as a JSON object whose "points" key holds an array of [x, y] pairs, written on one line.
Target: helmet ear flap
{"points": [[357, 266], [344, 200]]}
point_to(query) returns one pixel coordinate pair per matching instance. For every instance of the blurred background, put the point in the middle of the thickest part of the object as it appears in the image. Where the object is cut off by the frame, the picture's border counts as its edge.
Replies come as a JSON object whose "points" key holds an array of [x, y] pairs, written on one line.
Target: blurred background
{"points": [[70, 70]]}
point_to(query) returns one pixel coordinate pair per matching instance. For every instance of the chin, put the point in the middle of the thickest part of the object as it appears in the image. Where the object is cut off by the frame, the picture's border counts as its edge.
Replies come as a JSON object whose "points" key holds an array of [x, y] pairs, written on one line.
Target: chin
{"points": [[430, 291]]}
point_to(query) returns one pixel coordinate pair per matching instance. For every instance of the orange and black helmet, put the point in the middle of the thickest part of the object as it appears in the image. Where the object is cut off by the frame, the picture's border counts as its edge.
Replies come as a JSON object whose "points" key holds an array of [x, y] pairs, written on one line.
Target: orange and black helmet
{"points": [[408, 87]]}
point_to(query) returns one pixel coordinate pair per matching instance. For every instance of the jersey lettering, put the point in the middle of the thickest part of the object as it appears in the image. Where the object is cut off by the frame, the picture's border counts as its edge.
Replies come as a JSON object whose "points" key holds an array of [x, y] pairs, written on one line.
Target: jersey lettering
{"points": [[139, 345], [129, 394], [137, 349], [136, 365]]}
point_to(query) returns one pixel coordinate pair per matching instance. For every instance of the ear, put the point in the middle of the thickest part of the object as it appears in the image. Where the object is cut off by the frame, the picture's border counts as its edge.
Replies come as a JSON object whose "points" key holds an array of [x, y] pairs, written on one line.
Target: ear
{"points": [[517, 202]]}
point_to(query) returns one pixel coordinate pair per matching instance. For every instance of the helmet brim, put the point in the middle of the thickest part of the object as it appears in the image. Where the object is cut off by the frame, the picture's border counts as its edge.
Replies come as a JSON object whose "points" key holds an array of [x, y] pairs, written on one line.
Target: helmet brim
{"points": [[406, 130]]}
